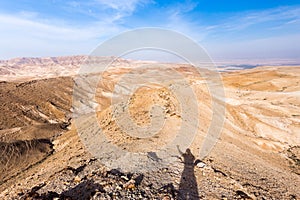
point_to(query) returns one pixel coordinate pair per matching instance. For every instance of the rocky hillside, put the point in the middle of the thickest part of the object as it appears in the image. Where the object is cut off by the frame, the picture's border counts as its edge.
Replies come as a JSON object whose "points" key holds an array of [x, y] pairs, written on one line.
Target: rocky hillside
{"points": [[256, 157]]}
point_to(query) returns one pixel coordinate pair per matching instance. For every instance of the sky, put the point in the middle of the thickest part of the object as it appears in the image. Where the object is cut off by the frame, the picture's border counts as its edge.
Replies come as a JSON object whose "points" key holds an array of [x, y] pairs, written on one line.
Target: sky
{"points": [[227, 29]]}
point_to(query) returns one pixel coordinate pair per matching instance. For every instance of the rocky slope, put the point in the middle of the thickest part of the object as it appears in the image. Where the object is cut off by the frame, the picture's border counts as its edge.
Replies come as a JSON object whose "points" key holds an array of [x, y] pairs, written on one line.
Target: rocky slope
{"points": [[256, 157]]}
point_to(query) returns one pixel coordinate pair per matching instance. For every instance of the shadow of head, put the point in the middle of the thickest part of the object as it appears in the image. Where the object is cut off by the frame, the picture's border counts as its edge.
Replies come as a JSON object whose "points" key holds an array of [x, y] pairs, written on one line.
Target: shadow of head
{"points": [[188, 151]]}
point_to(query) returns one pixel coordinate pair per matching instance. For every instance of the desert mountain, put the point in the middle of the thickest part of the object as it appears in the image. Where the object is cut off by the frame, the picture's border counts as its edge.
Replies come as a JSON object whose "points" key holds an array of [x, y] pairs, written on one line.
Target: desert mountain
{"points": [[44, 157]]}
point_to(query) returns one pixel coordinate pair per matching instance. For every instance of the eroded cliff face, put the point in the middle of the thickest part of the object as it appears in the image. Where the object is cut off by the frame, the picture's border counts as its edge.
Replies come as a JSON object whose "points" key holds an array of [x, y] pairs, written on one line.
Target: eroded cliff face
{"points": [[256, 156]]}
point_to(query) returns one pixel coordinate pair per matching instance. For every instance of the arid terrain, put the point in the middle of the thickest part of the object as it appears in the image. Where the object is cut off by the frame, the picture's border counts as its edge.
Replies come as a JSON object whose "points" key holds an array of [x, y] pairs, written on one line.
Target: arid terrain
{"points": [[257, 155]]}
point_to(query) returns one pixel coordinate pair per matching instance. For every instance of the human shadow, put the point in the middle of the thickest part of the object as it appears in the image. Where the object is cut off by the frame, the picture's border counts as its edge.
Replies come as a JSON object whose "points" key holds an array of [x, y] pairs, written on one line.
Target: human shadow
{"points": [[188, 184]]}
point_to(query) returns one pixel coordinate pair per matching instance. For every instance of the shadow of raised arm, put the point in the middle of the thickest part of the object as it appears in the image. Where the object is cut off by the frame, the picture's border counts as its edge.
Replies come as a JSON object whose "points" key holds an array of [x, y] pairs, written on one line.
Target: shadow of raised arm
{"points": [[180, 152]]}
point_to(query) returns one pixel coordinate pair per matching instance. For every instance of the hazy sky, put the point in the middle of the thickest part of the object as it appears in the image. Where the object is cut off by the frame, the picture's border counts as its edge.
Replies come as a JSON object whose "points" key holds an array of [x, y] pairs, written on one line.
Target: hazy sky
{"points": [[256, 29]]}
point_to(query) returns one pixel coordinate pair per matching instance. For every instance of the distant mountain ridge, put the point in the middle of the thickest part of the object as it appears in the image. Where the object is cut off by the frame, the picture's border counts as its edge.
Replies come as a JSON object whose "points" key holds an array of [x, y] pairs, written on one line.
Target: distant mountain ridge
{"points": [[62, 60], [24, 69], [19, 69], [28, 68]]}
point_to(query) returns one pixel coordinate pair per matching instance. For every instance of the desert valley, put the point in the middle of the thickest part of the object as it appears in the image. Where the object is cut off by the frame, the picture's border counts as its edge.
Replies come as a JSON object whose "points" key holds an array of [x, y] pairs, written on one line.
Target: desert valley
{"points": [[256, 156]]}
